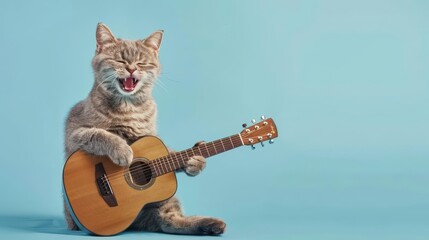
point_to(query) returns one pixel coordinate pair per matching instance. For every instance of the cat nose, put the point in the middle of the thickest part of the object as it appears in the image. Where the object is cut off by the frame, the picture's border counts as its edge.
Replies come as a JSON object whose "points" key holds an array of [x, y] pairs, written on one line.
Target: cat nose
{"points": [[130, 70]]}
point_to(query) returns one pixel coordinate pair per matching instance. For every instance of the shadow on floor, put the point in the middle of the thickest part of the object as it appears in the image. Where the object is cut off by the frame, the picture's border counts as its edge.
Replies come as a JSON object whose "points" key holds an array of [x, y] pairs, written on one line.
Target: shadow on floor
{"points": [[40, 224], [57, 225]]}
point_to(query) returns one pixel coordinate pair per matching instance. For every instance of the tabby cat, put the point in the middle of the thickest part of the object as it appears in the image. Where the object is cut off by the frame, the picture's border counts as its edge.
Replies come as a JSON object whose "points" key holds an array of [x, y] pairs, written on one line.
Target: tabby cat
{"points": [[119, 110]]}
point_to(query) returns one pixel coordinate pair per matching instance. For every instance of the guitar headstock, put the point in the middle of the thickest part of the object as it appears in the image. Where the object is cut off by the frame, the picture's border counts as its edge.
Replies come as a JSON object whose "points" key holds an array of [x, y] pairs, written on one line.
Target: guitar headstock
{"points": [[260, 132]]}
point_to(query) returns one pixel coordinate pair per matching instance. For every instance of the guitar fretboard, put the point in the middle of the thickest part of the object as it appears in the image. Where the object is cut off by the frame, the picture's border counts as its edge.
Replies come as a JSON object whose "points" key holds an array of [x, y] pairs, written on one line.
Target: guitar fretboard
{"points": [[178, 160]]}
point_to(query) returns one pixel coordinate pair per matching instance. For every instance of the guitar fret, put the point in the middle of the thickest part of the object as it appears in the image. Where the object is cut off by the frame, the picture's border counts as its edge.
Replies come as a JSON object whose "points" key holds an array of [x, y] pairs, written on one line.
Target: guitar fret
{"points": [[232, 144], [170, 159], [214, 147], [177, 160], [221, 141], [159, 162], [154, 168], [164, 168], [208, 153], [183, 157], [159, 165], [186, 152], [165, 165], [190, 153], [169, 164], [239, 140], [180, 158]]}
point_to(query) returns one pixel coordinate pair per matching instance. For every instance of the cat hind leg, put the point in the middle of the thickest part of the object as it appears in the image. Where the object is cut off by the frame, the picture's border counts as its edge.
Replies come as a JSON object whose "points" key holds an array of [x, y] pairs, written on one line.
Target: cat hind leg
{"points": [[71, 225], [167, 217]]}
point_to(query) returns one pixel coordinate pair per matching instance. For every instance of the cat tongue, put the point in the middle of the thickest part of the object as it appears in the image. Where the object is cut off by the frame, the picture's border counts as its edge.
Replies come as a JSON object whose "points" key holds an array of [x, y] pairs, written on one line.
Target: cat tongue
{"points": [[129, 84]]}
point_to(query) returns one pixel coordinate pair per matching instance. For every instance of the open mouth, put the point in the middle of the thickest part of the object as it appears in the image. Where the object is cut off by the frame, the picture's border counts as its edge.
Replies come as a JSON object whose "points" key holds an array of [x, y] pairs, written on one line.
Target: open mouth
{"points": [[128, 84]]}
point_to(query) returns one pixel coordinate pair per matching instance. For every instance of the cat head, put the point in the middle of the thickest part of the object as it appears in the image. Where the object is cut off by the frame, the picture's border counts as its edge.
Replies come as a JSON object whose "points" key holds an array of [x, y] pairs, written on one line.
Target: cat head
{"points": [[125, 67]]}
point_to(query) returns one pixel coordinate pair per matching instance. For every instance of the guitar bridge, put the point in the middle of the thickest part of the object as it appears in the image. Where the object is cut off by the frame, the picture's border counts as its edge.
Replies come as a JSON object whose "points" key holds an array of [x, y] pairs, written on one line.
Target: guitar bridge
{"points": [[104, 187]]}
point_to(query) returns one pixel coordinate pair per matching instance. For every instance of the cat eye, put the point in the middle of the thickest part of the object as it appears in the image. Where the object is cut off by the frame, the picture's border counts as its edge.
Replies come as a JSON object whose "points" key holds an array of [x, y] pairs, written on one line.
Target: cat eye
{"points": [[140, 64], [121, 61]]}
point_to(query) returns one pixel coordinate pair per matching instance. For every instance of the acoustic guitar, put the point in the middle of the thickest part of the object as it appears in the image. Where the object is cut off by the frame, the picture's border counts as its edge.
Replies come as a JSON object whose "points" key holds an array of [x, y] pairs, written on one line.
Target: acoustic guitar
{"points": [[105, 199]]}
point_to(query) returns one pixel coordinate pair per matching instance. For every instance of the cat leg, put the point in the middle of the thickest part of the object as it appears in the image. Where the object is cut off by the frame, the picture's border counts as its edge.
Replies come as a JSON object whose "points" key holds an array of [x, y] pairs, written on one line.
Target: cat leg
{"points": [[69, 220], [195, 164], [167, 217], [98, 141]]}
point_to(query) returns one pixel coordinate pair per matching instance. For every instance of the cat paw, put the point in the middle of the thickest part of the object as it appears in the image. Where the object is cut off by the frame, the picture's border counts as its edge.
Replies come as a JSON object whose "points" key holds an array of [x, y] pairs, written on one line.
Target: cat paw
{"points": [[212, 226], [121, 154], [195, 165]]}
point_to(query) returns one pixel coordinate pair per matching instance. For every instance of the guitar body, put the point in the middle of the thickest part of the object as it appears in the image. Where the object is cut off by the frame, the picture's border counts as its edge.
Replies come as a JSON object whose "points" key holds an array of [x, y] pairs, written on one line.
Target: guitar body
{"points": [[105, 199], [98, 212]]}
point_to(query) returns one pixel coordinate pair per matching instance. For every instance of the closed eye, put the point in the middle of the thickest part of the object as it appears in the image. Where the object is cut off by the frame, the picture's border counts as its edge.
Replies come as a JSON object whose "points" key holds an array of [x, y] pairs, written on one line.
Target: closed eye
{"points": [[146, 65], [121, 61]]}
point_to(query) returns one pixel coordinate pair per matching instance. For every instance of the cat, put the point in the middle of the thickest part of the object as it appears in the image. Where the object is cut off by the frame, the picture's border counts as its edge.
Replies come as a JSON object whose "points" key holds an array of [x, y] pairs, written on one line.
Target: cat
{"points": [[119, 110]]}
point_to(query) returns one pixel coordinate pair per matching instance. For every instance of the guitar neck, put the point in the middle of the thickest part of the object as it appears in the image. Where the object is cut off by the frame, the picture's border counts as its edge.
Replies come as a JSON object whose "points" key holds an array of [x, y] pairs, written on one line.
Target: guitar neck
{"points": [[177, 160]]}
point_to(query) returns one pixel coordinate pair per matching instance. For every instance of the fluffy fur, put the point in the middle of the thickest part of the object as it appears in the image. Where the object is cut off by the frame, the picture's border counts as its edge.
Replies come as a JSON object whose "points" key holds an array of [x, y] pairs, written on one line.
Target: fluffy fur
{"points": [[113, 116]]}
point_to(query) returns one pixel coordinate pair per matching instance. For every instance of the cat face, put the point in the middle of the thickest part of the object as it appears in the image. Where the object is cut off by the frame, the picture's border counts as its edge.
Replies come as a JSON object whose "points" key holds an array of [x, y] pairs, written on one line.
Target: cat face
{"points": [[124, 67]]}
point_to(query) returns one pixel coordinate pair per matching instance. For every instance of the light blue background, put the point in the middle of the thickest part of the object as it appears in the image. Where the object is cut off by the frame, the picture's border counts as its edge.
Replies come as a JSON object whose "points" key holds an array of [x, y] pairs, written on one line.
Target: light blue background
{"points": [[347, 83]]}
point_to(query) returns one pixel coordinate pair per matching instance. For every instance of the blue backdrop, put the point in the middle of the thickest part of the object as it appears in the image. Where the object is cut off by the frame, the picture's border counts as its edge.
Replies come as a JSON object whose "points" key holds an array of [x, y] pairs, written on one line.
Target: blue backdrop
{"points": [[345, 81]]}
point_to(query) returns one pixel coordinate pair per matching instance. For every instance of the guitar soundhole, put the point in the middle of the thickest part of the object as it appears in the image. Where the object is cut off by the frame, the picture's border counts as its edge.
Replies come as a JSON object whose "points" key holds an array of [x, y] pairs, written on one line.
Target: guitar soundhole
{"points": [[139, 174]]}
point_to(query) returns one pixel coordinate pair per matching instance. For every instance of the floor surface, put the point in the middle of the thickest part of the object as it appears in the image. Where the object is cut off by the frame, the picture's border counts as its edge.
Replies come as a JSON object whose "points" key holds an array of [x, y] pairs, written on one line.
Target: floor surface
{"points": [[53, 227]]}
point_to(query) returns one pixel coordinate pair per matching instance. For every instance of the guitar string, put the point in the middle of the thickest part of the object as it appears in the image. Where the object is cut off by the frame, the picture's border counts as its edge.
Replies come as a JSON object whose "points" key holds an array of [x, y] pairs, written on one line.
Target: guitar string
{"points": [[147, 168], [163, 161]]}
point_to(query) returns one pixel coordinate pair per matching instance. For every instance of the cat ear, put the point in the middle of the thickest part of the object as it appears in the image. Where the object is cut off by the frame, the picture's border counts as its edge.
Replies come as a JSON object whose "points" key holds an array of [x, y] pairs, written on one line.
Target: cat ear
{"points": [[104, 37], [154, 40]]}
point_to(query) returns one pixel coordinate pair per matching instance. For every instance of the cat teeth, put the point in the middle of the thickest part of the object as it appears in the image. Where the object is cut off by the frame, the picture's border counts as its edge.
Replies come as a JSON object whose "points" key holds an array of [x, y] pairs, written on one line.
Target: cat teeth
{"points": [[135, 80], [122, 85]]}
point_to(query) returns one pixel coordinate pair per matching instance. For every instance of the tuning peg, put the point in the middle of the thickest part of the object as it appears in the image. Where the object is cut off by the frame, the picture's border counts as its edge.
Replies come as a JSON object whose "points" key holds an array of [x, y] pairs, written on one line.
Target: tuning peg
{"points": [[244, 125], [271, 141], [262, 144], [252, 147], [262, 117], [253, 121]]}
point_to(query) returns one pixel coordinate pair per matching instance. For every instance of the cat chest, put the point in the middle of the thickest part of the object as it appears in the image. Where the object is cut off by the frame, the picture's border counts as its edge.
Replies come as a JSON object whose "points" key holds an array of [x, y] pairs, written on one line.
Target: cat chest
{"points": [[132, 130]]}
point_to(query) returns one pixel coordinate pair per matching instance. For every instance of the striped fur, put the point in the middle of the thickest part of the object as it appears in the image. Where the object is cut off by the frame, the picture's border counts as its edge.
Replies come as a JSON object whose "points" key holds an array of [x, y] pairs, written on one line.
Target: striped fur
{"points": [[110, 119]]}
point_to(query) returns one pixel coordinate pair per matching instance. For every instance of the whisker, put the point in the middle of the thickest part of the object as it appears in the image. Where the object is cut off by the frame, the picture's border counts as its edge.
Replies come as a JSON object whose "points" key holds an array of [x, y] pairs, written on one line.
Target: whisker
{"points": [[161, 84], [108, 77], [100, 84]]}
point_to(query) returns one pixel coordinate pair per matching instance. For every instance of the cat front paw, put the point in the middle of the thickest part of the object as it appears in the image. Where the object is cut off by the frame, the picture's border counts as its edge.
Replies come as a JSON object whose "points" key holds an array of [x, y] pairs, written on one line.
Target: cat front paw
{"points": [[195, 165], [121, 154]]}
